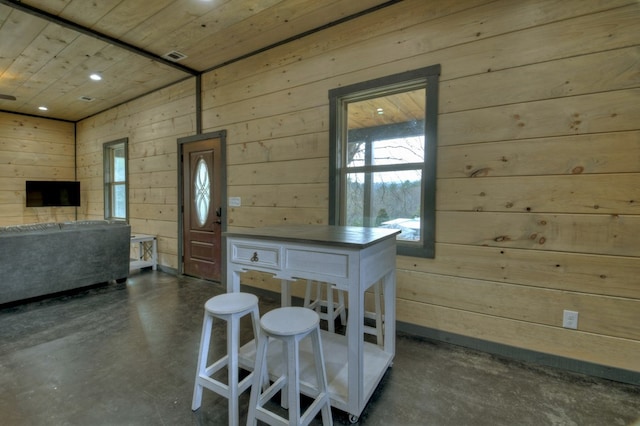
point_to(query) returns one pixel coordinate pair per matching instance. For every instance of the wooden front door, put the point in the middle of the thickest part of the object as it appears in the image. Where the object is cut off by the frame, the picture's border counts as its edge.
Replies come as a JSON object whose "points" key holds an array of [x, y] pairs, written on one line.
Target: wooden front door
{"points": [[202, 202]]}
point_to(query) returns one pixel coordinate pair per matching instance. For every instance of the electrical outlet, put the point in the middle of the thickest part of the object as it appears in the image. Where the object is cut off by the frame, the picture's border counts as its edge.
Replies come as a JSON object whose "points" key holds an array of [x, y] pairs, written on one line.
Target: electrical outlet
{"points": [[570, 319]]}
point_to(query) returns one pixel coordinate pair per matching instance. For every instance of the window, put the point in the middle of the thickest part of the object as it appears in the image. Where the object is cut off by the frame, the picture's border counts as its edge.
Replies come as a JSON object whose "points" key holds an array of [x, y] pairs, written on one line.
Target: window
{"points": [[115, 180], [383, 140]]}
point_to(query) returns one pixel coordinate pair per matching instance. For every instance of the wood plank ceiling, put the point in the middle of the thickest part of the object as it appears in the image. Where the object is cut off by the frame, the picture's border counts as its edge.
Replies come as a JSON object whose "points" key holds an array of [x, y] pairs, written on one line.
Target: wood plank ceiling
{"points": [[48, 48]]}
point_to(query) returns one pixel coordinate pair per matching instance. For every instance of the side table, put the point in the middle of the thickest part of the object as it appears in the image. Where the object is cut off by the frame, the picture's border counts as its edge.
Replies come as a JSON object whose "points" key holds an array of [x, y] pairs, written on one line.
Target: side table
{"points": [[147, 252]]}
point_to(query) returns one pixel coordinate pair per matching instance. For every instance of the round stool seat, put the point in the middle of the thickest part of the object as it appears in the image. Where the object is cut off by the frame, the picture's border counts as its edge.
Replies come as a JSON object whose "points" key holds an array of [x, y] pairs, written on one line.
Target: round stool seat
{"points": [[289, 321], [230, 303]]}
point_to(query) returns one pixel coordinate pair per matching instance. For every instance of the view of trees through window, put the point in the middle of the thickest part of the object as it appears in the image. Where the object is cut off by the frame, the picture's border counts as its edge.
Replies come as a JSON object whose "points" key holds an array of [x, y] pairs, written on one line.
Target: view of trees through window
{"points": [[386, 198], [384, 161]]}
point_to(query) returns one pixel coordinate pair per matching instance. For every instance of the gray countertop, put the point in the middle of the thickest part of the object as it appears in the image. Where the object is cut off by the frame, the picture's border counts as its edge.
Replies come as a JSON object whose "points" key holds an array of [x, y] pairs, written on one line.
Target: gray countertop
{"points": [[349, 236]]}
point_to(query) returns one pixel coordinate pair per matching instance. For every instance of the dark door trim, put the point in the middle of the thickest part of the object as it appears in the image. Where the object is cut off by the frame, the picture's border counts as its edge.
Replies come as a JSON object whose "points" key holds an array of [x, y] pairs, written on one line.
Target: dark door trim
{"points": [[222, 135]]}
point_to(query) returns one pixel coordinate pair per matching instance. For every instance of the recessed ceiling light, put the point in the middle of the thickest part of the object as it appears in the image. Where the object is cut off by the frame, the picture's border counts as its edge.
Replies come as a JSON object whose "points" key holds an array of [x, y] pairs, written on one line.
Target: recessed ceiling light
{"points": [[43, 108], [95, 77]]}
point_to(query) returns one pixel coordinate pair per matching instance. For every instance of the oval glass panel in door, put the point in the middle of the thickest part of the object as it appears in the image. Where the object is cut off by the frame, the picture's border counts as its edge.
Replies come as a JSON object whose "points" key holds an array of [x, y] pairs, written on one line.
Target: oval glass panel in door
{"points": [[202, 191]]}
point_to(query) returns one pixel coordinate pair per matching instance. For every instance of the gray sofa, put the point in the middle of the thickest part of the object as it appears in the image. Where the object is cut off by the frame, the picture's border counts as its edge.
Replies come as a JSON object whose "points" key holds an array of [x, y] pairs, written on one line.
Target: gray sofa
{"points": [[46, 258]]}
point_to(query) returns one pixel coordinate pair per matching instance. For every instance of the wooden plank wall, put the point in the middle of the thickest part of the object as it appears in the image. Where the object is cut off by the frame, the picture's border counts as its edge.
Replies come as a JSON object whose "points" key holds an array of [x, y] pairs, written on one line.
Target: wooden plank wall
{"points": [[538, 202], [33, 148], [538, 161], [152, 125]]}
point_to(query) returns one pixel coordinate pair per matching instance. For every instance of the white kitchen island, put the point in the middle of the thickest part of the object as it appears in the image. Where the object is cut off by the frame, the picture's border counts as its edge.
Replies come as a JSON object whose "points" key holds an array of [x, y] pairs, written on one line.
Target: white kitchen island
{"points": [[353, 259]]}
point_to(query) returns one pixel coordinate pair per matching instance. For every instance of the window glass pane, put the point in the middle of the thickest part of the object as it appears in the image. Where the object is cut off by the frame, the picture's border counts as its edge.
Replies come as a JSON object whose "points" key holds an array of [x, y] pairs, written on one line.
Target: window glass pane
{"points": [[115, 180], [354, 199], [386, 199], [392, 124], [119, 201], [407, 106], [202, 192], [119, 164], [387, 152]]}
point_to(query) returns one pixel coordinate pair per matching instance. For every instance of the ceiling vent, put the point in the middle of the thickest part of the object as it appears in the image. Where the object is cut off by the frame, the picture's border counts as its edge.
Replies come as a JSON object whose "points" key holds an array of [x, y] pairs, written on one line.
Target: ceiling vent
{"points": [[86, 98], [174, 56]]}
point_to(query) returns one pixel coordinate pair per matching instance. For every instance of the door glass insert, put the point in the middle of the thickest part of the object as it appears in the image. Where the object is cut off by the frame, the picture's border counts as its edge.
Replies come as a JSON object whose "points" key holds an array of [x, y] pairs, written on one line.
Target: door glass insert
{"points": [[202, 191]]}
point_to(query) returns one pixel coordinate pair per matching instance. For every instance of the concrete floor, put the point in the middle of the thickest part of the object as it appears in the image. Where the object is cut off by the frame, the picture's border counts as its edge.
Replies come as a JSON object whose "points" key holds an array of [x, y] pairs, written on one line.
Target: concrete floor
{"points": [[125, 354]]}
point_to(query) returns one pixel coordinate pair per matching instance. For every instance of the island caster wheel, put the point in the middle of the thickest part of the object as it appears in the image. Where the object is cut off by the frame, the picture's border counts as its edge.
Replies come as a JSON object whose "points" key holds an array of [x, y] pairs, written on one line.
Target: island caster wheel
{"points": [[353, 419]]}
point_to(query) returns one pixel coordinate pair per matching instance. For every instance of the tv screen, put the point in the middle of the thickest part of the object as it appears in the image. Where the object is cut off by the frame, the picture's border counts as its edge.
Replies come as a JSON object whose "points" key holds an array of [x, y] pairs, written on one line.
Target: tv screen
{"points": [[53, 193]]}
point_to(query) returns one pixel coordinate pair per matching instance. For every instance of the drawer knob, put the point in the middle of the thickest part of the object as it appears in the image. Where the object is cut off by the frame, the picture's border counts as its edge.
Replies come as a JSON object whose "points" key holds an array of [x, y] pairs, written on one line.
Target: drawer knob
{"points": [[254, 258]]}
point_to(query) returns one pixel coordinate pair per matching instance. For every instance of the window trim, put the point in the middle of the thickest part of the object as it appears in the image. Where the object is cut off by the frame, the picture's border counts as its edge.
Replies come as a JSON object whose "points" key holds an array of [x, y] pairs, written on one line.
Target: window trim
{"points": [[338, 100], [108, 149]]}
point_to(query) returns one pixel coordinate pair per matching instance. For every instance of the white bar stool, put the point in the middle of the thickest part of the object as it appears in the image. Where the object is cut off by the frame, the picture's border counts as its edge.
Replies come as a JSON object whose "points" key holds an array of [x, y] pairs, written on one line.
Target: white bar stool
{"points": [[290, 325], [333, 309], [230, 307]]}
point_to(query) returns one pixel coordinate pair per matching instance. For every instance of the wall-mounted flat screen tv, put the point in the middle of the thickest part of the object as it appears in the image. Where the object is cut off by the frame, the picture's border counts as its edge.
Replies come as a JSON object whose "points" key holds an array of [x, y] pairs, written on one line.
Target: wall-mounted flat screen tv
{"points": [[53, 193]]}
